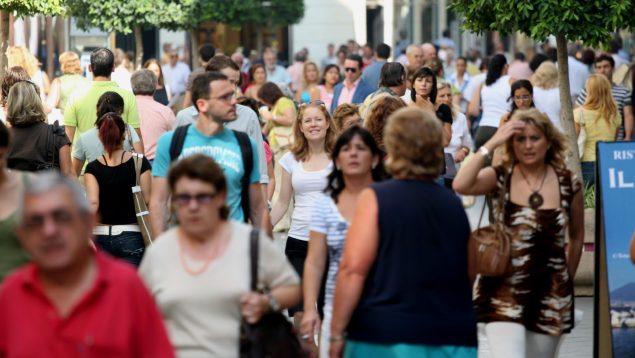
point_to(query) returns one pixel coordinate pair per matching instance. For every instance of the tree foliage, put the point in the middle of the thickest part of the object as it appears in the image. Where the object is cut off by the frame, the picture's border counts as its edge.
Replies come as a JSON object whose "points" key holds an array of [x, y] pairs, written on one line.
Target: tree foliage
{"points": [[33, 7], [590, 21], [240, 12]]}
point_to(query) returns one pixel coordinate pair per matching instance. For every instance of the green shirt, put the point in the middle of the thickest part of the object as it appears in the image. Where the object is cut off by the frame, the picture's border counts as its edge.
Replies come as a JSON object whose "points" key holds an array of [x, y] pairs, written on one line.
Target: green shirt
{"points": [[81, 110]]}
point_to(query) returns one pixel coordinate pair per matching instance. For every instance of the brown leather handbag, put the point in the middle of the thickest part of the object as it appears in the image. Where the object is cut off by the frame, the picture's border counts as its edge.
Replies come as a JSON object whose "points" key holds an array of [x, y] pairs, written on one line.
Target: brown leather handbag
{"points": [[489, 248]]}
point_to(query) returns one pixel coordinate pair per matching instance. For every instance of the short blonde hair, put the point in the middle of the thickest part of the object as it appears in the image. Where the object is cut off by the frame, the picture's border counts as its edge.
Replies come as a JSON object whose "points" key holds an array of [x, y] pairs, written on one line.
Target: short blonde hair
{"points": [[69, 63], [414, 141], [342, 111], [546, 76], [556, 152]]}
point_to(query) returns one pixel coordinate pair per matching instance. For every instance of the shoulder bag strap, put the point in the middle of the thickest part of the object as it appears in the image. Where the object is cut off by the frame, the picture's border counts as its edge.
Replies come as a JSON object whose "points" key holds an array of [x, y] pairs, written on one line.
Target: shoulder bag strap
{"points": [[253, 253], [130, 138]]}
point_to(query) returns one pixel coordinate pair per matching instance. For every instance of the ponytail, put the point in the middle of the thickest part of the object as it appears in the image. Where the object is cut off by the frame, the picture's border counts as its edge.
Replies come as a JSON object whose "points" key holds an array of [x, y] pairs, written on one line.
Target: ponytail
{"points": [[112, 130]]}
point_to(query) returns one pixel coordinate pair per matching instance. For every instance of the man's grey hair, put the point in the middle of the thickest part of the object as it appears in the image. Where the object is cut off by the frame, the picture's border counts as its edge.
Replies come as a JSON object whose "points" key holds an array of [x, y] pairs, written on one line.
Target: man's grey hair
{"points": [[45, 182], [144, 82], [410, 49]]}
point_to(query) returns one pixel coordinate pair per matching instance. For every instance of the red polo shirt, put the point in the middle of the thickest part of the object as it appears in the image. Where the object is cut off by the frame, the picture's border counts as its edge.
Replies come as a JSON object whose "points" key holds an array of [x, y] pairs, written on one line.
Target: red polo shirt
{"points": [[115, 318]]}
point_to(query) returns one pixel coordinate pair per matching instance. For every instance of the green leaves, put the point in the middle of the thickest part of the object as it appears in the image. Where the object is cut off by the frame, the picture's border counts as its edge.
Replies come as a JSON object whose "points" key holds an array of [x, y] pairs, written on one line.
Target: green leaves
{"points": [[123, 15], [589, 21], [33, 7]]}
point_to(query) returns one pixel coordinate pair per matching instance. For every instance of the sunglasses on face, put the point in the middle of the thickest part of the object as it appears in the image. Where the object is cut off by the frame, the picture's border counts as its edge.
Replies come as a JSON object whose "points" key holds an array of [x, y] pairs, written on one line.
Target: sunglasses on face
{"points": [[200, 198], [350, 69]]}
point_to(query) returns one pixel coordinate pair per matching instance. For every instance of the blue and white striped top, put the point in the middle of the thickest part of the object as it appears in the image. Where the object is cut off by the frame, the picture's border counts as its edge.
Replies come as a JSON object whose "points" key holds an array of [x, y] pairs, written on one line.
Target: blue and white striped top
{"points": [[326, 219]]}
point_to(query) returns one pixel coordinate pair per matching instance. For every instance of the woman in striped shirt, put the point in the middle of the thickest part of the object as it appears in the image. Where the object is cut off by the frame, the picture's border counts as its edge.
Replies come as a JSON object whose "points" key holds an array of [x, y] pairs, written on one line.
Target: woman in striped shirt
{"points": [[357, 163]]}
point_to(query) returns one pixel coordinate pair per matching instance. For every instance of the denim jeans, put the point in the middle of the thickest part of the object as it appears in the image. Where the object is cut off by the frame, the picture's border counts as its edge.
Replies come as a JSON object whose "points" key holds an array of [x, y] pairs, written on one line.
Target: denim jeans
{"points": [[127, 246], [588, 173]]}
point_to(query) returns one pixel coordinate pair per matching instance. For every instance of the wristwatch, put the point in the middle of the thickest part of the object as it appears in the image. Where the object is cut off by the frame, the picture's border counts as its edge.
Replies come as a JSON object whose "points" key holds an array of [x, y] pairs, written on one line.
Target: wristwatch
{"points": [[274, 306], [484, 151]]}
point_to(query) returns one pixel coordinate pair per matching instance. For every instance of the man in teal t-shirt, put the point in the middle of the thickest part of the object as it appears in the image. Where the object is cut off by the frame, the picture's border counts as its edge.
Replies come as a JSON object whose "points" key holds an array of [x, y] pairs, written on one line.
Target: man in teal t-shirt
{"points": [[214, 97]]}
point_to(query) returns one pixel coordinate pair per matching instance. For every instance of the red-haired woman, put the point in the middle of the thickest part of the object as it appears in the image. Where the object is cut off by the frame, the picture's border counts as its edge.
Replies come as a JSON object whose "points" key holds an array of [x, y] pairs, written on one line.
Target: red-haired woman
{"points": [[109, 180]]}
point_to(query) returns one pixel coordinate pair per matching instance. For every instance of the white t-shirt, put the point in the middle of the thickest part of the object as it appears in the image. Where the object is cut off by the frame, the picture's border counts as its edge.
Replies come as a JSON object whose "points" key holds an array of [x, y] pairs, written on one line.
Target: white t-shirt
{"points": [[460, 135], [202, 312], [495, 101], [308, 188], [547, 101]]}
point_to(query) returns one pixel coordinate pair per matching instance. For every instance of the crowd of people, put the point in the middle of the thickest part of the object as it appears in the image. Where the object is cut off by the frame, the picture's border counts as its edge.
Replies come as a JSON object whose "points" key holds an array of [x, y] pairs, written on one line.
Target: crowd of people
{"points": [[365, 163]]}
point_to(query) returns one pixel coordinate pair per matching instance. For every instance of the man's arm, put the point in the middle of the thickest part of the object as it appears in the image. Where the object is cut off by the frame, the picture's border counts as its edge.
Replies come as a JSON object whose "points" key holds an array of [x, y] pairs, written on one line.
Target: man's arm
{"points": [[70, 132], [628, 122], [158, 204], [257, 205], [187, 99]]}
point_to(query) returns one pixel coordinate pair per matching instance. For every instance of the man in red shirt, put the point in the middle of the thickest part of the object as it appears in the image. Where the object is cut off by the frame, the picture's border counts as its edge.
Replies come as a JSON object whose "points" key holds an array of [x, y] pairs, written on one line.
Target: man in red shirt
{"points": [[71, 301]]}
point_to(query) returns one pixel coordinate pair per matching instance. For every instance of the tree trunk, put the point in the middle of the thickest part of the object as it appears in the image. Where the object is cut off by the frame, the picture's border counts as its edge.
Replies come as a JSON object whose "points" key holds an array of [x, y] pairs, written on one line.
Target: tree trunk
{"points": [[50, 48], [138, 43], [5, 17], [194, 53], [566, 106]]}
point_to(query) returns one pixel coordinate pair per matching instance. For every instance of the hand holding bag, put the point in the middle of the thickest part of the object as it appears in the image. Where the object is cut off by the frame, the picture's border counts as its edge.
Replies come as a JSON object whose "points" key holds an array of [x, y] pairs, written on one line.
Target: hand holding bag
{"points": [[582, 135], [489, 248], [273, 335], [141, 209]]}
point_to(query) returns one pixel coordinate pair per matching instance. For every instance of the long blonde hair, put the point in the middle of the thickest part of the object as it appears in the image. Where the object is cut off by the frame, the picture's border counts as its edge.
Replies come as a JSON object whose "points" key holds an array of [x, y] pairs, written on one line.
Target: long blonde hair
{"points": [[305, 82], [599, 97], [300, 147]]}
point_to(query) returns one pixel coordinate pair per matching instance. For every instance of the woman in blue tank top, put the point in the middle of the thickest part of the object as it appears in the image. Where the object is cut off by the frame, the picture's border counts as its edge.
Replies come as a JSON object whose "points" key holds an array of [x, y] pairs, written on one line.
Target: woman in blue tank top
{"points": [[403, 288]]}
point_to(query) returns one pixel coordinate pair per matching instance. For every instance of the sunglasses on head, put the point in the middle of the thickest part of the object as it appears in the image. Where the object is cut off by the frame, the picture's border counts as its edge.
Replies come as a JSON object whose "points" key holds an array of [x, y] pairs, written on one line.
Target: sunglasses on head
{"points": [[313, 103], [350, 69], [37, 88]]}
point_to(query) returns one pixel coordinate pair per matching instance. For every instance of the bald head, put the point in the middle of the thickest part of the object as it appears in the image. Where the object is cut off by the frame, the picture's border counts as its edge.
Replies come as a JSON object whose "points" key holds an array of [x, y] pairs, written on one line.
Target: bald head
{"points": [[429, 51]]}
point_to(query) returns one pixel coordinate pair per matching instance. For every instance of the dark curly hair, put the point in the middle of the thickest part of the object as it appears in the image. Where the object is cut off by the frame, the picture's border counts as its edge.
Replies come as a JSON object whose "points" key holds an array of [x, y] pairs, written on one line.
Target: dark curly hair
{"points": [[378, 116]]}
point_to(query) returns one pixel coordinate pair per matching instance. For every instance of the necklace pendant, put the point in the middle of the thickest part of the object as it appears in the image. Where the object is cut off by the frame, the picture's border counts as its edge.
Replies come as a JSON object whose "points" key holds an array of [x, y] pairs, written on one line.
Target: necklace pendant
{"points": [[535, 200]]}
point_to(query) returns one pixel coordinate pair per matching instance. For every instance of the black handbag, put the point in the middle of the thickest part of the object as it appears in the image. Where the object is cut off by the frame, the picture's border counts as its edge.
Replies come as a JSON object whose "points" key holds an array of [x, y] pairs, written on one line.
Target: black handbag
{"points": [[273, 336], [52, 158]]}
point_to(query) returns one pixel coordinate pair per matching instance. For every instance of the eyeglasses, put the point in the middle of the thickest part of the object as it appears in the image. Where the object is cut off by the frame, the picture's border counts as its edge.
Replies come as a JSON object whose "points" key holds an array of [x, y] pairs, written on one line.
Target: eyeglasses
{"points": [[523, 98], [313, 103], [350, 69], [200, 198], [60, 217]]}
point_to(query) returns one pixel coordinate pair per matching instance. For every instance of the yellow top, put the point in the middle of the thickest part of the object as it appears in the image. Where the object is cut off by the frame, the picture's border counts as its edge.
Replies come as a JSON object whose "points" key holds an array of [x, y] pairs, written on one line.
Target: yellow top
{"points": [[597, 129]]}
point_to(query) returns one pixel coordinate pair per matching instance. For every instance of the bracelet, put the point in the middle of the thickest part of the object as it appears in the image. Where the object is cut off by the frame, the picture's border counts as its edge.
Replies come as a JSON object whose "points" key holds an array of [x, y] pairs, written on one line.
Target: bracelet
{"points": [[466, 150], [337, 338], [484, 152]]}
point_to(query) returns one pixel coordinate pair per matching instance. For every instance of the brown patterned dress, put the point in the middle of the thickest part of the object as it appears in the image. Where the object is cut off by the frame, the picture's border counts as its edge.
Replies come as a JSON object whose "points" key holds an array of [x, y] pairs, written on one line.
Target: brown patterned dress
{"points": [[538, 291]]}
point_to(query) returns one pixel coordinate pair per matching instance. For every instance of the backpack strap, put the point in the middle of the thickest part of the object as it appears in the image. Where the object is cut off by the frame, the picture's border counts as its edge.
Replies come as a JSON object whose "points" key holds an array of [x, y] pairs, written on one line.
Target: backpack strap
{"points": [[248, 164], [178, 139]]}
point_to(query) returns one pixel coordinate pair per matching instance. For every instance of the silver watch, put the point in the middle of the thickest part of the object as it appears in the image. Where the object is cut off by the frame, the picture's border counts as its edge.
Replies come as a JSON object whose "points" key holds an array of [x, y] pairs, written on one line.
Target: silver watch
{"points": [[274, 306], [484, 151]]}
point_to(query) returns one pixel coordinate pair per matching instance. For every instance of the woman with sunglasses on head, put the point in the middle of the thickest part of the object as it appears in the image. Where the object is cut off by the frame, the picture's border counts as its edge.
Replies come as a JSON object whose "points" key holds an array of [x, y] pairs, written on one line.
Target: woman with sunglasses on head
{"points": [[109, 180], [357, 164], [198, 271], [12, 255], [330, 78], [37, 145], [423, 93], [88, 146], [304, 176]]}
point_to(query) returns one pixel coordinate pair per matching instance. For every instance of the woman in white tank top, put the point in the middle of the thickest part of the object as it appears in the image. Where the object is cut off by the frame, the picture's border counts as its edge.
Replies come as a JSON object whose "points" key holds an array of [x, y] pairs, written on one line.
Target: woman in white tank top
{"points": [[493, 98]]}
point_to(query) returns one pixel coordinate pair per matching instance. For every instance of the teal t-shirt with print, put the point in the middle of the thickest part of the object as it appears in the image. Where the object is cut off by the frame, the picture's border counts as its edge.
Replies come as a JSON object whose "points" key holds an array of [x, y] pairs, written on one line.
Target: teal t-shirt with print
{"points": [[224, 148]]}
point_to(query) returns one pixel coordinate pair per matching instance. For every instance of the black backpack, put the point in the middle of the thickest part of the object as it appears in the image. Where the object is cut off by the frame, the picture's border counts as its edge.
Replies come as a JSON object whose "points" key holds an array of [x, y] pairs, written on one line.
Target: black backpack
{"points": [[176, 146]]}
